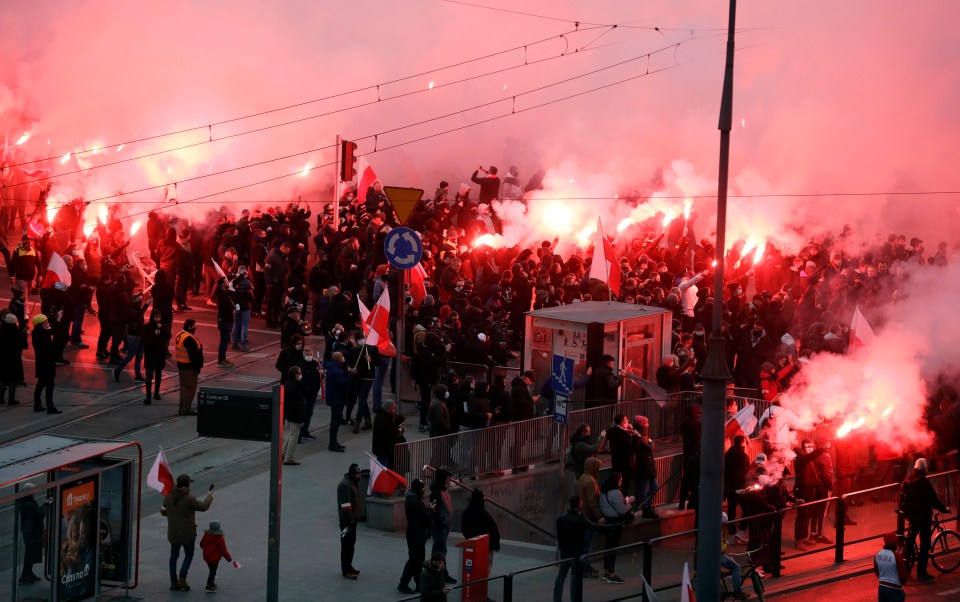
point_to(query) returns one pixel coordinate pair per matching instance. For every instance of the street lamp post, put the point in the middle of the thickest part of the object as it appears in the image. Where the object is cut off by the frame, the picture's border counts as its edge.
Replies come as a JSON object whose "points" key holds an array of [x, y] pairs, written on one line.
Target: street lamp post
{"points": [[715, 373]]}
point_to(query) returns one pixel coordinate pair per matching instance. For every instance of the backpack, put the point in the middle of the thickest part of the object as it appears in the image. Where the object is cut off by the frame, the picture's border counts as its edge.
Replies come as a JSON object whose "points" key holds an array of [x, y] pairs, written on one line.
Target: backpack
{"points": [[905, 500]]}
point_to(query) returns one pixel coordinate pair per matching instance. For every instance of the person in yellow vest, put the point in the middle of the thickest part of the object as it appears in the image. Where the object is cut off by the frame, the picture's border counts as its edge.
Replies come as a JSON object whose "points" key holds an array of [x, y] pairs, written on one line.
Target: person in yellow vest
{"points": [[189, 355]]}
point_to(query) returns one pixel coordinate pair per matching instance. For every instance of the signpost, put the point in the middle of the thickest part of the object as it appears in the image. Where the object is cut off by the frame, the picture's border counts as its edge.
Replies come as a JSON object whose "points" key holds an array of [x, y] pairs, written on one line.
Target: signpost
{"points": [[561, 380]]}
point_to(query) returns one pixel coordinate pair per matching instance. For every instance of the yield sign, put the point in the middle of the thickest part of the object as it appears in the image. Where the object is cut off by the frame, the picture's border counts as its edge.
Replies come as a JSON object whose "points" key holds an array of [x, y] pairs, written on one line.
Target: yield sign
{"points": [[404, 200]]}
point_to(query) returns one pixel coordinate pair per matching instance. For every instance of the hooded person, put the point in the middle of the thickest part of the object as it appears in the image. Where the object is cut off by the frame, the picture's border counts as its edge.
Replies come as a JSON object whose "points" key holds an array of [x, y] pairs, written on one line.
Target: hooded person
{"points": [[181, 507], [476, 521], [432, 579], [419, 517], [588, 488], [442, 513], [349, 511]]}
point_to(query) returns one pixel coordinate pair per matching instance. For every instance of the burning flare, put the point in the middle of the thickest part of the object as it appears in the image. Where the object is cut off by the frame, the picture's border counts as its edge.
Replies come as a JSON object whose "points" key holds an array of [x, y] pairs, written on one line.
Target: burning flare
{"points": [[306, 169], [24, 138], [135, 227], [102, 214], [66, 158]]}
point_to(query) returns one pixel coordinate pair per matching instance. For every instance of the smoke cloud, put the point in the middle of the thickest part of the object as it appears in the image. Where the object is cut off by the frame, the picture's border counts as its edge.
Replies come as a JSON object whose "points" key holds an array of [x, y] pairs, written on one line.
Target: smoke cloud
{"points": [[827, 98]]}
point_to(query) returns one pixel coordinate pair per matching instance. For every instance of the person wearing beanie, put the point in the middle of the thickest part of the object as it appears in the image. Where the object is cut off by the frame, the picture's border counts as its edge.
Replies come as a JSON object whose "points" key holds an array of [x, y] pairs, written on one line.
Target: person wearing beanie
{"points": [[348, 502], [45, 359], [214, 547], [918, 499], [891, 571], [181, 507], [12, 342], [419, 517]]}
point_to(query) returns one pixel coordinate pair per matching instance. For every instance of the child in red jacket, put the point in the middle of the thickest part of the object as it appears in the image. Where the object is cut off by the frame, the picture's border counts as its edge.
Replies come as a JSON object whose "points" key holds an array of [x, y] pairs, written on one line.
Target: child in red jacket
{"points": [[214, 548]]}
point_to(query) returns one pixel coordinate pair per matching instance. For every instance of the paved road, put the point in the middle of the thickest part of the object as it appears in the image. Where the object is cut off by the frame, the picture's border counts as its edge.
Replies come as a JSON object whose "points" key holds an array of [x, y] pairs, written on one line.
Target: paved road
{"points": [[863, 588]]}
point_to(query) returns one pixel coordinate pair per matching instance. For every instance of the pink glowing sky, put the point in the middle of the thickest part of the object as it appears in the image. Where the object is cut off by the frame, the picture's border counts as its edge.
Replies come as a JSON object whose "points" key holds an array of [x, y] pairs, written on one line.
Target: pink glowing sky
{"points": [[851, 96]]}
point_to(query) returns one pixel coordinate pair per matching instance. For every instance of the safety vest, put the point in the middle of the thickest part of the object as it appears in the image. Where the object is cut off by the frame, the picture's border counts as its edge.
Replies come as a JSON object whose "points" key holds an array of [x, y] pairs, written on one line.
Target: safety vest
{"points": [[183, 356]]}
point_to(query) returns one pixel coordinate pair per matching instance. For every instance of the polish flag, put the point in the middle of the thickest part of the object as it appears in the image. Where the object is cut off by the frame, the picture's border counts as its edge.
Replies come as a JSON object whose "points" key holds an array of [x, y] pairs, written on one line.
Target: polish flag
{"points": [[648, 591], [604, 265], [743, 422], [221, 274], [686, 589], [415, 279], [383, 480], [861, 334], [376, 324], [56, 272], [160, 478], [366, 178]]}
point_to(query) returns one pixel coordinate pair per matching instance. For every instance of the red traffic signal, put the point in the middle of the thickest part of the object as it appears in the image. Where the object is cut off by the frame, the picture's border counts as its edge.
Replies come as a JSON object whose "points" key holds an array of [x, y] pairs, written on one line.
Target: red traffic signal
{"points": [[348, 160]]}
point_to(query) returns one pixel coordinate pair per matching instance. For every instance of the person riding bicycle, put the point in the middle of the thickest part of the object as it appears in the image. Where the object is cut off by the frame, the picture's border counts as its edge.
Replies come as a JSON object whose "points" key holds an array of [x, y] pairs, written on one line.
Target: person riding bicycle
{"points": [[917, 502], [727, 562]]}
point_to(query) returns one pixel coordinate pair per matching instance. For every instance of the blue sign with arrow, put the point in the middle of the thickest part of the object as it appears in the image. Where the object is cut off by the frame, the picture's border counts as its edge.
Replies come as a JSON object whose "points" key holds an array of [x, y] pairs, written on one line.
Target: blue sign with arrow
{"points": [[403, 248]]}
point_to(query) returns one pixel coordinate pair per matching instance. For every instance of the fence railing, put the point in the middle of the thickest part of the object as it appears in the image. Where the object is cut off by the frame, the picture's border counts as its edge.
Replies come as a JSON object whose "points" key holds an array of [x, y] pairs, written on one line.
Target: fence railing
{"points": [[660, 560], [541, 440]]}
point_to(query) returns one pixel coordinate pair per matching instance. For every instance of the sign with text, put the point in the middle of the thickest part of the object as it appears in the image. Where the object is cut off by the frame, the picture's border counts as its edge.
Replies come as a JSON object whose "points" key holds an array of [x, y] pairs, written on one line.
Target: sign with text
{"points": [[234, 414]]}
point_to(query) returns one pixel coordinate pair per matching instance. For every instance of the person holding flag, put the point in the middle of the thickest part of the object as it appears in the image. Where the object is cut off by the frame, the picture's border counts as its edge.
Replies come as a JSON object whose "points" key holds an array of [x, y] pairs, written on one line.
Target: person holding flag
{"points": [[181, 507]]}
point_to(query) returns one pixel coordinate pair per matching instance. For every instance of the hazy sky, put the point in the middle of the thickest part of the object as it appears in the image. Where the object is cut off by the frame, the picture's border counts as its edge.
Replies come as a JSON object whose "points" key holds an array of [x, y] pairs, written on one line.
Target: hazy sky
{"points": [[852, 96]]}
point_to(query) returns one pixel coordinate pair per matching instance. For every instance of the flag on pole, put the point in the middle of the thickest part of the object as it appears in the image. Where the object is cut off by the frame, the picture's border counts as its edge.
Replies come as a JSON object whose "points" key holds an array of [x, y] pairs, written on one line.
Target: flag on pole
{"points": [[658, 393], [364, 315], [651, 595], [57, 271], [383, 480], [377, 325], [604, 265], [686, 590], [221, 274], [366, 178], [415, 279], [160, 478], [861, 334], [743, 422]]}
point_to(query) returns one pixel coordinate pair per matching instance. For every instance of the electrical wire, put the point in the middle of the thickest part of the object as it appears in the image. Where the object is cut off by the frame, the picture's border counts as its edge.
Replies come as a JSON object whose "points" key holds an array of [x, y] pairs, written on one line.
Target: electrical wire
{"points": [[313, 101], [303, 119]]}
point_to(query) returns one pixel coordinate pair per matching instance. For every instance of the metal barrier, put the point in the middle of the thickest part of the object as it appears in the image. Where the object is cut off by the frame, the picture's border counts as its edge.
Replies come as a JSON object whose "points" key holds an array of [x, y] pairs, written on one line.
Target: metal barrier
{"points": [[408, 388], [664, 557], [541, 440]]}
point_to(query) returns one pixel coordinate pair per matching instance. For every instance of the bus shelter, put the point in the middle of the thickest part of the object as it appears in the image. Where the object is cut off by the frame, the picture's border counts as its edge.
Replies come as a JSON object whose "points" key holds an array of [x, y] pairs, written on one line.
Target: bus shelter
{"points": [[69, 518]]}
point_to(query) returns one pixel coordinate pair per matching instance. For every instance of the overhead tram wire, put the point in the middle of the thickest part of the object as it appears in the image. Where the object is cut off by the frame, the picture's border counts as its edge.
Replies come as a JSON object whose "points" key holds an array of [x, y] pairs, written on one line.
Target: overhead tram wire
{"points": [[579, 22], [370, 87], [361, 105]]}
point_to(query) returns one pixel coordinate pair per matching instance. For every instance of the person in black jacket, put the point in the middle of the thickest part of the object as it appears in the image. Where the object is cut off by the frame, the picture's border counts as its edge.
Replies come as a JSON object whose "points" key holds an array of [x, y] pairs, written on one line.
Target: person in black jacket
{"points": [[603, 385], [156, 338], [289, 356], [646, 467], [736, 463], [292, 415], [489, 184], [31, 526], [623, 442], [572, 526], [387, 432], [310, 384], [690, 430], [225, 310], [476, 521], [12, 343], [919, 500], [46, 363], [133, 316], [419, 518]]}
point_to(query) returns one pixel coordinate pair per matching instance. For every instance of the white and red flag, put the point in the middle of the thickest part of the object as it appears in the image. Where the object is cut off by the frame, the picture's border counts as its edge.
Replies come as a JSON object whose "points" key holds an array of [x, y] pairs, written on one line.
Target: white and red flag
{"points": [[415, 279], [743, 422], [604, 265], [383, 480], [365, 179], [57, 271], [687, 593], [376, 324], [160, 477], [861, 334]]}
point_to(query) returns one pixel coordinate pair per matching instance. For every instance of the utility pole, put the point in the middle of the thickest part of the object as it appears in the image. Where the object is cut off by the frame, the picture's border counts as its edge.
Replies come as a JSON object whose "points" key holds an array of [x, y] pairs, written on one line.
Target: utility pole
{"points": [[715, 373]]}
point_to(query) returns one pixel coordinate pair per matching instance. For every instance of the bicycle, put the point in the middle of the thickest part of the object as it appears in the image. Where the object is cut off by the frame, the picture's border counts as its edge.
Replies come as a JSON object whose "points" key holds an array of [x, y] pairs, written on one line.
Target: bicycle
{"points": [[944, 547], [748, 571]]}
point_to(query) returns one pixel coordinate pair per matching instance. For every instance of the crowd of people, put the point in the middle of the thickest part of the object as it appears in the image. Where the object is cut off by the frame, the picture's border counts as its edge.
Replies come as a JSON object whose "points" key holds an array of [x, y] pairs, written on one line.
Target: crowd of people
{"points": [[274, 265]]}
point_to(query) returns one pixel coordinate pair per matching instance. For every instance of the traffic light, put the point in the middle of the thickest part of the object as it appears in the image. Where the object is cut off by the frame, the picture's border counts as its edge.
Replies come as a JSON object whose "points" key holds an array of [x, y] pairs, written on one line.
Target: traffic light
{"points": [[348, 160]]}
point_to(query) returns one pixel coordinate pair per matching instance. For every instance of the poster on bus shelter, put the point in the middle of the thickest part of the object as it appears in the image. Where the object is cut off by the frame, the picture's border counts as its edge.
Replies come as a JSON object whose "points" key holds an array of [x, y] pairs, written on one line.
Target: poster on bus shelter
{"points": [[78, 540], [114, 513]]}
